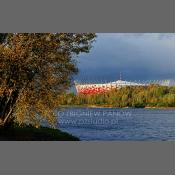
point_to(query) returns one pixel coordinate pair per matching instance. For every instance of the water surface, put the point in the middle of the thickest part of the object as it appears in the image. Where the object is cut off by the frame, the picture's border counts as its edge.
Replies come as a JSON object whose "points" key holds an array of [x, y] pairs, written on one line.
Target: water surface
{"points": [[118, 124]]}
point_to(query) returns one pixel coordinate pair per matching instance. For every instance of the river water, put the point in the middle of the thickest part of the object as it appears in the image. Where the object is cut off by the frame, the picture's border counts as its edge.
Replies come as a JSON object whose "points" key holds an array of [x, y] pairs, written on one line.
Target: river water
{"points": [[118, 124]]}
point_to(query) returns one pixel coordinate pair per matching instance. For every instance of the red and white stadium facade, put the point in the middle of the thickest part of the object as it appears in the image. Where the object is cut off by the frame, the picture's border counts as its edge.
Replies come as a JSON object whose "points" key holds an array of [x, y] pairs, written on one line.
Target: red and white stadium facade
{"points": [[102, 88]]}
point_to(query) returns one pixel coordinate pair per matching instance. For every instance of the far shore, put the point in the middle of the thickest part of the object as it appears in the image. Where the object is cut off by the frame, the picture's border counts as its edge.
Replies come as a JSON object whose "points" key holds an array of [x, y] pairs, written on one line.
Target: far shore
{"points": [[108, 106]]}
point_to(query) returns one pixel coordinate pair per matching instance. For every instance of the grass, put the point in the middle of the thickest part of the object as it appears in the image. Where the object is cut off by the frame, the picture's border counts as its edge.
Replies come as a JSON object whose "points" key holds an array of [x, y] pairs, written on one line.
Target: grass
{"points": [[34, 134]]}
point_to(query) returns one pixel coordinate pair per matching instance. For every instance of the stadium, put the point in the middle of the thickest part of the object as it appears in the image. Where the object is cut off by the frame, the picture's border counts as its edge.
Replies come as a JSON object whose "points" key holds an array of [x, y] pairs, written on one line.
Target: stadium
{"points": [[93, 88]]}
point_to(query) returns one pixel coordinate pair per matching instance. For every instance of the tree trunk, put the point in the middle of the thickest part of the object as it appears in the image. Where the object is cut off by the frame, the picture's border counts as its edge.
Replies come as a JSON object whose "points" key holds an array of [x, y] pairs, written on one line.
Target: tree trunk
{"points": [[7, 103]]}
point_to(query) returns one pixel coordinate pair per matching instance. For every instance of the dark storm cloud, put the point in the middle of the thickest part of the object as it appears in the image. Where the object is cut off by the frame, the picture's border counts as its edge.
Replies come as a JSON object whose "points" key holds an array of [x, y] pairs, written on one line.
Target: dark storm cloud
{"points": [[139, 56]]}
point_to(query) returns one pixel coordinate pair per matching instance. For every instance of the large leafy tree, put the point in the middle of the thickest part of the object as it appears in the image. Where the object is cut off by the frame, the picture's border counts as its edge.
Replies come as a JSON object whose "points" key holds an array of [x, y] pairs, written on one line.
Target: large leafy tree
{"points": [[35, 68]]}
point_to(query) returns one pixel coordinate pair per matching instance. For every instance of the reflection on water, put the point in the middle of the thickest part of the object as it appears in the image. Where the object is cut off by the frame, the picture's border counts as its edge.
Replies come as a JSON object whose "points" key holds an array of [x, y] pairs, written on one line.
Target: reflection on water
{"points": [[118, 124]]}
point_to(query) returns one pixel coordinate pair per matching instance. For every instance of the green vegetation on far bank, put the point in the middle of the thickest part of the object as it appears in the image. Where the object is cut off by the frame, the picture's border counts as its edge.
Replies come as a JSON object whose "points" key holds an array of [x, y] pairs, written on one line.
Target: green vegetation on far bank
{"points": [[137, 97]]}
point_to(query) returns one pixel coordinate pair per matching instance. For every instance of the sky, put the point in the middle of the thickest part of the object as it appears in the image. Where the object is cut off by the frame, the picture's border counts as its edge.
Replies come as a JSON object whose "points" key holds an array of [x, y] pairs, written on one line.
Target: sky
{"points": [[138, 56]]}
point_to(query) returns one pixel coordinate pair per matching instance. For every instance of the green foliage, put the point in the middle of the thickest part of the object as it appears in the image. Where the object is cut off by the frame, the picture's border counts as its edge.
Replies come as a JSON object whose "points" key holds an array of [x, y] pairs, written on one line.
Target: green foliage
{"points": [[139, 97]]}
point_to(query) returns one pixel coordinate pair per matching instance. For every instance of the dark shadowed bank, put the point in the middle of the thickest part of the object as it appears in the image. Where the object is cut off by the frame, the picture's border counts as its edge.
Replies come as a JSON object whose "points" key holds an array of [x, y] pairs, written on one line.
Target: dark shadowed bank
{"points": [[29, 133]]}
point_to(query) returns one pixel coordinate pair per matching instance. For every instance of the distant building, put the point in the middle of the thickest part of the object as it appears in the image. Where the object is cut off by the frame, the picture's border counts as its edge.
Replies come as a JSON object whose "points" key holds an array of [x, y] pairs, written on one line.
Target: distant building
{"points": [[105, 87]]}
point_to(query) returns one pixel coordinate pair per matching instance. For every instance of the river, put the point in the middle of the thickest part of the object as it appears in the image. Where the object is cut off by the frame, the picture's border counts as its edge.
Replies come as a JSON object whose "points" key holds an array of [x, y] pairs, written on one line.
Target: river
{"points": [[118, 124]]}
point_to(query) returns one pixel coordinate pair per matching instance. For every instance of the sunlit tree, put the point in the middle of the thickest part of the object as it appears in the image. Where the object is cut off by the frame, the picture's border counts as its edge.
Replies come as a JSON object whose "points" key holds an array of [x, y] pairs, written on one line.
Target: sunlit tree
{"points": [[35, 69]]}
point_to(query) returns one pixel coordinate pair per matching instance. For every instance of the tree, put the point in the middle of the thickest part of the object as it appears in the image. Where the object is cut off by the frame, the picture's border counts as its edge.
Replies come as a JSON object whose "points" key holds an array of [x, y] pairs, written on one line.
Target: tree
{"points": [[35, 69]]}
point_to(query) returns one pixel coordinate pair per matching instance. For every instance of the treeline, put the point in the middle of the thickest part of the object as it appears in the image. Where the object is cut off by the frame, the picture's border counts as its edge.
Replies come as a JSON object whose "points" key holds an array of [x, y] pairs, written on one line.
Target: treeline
{"points": [[149, 96]]}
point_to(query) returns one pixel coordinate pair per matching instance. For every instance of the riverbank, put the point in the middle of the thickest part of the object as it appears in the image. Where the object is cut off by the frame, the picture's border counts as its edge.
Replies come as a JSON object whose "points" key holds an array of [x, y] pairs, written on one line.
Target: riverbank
{"points": [[110, 106], [34, 134]]}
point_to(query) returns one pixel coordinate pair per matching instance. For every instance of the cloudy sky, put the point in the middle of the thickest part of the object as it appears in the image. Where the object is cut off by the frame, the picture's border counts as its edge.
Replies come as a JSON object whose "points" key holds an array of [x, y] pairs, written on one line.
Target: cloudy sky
{"points": [[139, 56]]}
